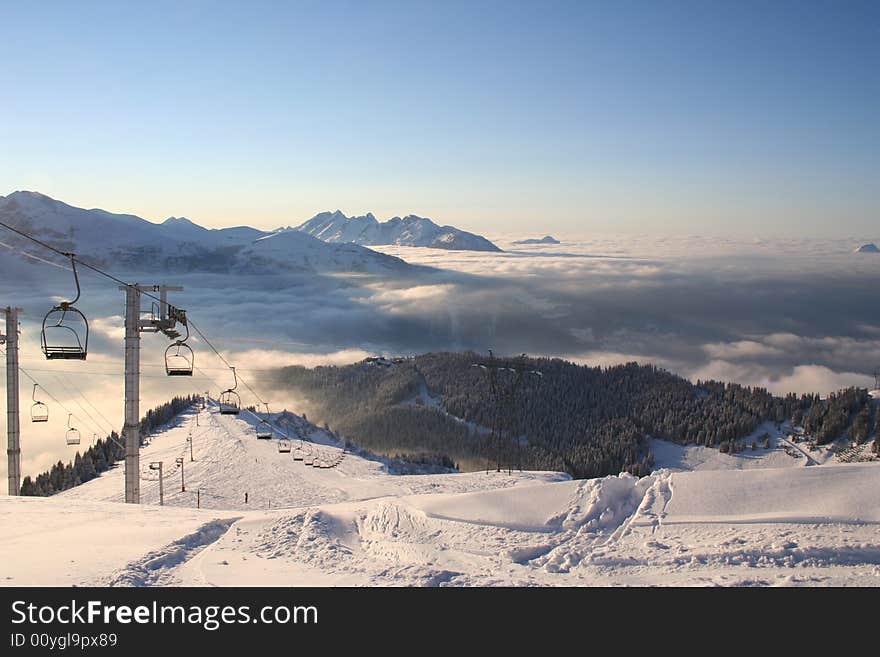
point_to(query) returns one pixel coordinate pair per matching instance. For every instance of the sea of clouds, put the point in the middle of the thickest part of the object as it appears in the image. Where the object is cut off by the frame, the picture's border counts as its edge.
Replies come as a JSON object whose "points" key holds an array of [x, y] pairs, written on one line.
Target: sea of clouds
{"points": [[791, 314]]}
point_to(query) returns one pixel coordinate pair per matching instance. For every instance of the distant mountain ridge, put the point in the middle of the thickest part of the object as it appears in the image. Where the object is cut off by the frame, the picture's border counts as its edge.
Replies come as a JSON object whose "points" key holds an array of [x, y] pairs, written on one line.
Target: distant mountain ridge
{"points": [[178, 244], [547, 239], [411, 230]]}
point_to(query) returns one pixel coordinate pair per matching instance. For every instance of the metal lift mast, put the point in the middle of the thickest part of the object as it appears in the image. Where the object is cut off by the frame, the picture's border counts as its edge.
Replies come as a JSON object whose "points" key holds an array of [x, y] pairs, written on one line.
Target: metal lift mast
{"points": [[162, 319], [13, 446]]}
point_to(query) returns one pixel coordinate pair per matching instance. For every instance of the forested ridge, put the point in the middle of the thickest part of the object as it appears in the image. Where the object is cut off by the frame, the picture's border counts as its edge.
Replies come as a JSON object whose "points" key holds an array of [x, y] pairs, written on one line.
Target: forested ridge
{"points": [[587, 421], [102, 455]]}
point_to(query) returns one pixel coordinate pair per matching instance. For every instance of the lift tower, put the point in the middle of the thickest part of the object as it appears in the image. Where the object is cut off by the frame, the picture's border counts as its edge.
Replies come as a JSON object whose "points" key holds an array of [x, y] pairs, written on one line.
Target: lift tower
{"points": [[162, 317], [13, 447], [505, 379]]}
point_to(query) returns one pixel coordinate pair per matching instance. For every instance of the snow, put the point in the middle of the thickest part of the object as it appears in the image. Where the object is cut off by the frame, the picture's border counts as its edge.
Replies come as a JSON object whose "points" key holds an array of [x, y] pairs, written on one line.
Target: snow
{"points": [[178, 244], [50, 542], [743, 519], [687, 458], [841, 493], [410, 230]]}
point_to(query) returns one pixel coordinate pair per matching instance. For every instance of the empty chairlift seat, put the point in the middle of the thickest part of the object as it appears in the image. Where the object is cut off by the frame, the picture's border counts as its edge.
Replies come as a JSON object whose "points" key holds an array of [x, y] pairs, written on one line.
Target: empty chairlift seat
{"points": [[72, 435], [39, 410], [264, 430], [179, 359], [65, 334], [230, 402]]}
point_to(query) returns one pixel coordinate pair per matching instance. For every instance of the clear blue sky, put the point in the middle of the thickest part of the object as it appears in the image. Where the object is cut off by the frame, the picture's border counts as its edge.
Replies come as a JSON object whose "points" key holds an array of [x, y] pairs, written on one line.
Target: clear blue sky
{"points": [[653, 116]]}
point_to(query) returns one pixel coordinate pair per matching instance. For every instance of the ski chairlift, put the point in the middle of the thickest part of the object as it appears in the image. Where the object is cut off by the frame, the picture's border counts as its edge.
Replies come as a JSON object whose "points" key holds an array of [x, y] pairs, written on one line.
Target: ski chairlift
{"points": [[39, 411], [72, 435], [264, 431], [309, 459], [230, 402], [284, 446], [65, 334], [180, 362], [299, 454]]}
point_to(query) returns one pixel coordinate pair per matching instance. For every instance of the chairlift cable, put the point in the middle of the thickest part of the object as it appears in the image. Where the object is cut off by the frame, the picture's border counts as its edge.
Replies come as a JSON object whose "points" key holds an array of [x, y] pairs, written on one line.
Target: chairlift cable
{"points": [[47, 391], [73, 258], [93, 423], [91, 405]]}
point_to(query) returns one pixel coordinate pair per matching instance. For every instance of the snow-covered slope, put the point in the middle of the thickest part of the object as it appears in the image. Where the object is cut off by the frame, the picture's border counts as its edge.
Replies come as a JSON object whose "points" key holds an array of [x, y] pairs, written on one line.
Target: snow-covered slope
{"points": [[355, 524], [178, 244], [401, 231]]}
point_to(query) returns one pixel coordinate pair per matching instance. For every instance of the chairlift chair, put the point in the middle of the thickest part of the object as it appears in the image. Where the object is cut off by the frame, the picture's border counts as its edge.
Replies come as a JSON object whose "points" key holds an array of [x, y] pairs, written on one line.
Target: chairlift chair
{"points": [[39, 411], [179, 357], [264, 431], [179, 363], [65, 334], [298, 454], [72, 435], [283, 446], [230, 402]]}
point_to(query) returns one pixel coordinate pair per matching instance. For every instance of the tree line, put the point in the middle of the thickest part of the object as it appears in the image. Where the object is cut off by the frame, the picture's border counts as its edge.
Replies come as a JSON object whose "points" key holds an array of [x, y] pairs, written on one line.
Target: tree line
{"points": [[587, 421], [103, 454]]}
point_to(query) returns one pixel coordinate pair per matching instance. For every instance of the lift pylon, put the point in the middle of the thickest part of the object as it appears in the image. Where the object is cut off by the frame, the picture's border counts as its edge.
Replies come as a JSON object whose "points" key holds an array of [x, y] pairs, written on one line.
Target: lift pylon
{"points": [[161, 318]]}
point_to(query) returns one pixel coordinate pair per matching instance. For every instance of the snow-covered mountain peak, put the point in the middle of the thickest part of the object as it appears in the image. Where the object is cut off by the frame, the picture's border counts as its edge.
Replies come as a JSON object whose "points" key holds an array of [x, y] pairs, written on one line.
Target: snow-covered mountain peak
{"points": [[179, 244], [410, 230], [178, 221]]}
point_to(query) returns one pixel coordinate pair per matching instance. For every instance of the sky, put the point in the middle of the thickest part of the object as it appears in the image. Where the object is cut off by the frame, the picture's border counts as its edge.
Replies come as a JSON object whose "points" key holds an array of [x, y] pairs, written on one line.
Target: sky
{"points": [[574, 117]]}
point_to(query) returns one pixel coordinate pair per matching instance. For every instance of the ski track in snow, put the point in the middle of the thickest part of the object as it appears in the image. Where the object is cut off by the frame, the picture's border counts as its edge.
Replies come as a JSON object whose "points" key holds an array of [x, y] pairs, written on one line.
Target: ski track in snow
{"points": [[157, 567], [358, 525]]}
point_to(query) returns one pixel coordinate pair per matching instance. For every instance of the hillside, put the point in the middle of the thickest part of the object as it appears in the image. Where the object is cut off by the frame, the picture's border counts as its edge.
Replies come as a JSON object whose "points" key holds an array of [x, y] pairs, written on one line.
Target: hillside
{"points": [[179, 245], [356, 524], [587, 421]]}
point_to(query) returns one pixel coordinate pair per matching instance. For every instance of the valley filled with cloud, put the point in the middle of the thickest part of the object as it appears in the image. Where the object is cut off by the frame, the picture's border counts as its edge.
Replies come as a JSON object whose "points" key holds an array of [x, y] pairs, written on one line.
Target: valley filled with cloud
{"points": [[791, 316]]}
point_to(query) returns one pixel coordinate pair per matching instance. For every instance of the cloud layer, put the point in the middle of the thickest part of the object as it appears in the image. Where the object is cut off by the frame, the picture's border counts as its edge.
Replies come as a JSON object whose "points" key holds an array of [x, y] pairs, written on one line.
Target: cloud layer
{"points": [[792, 319]]}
